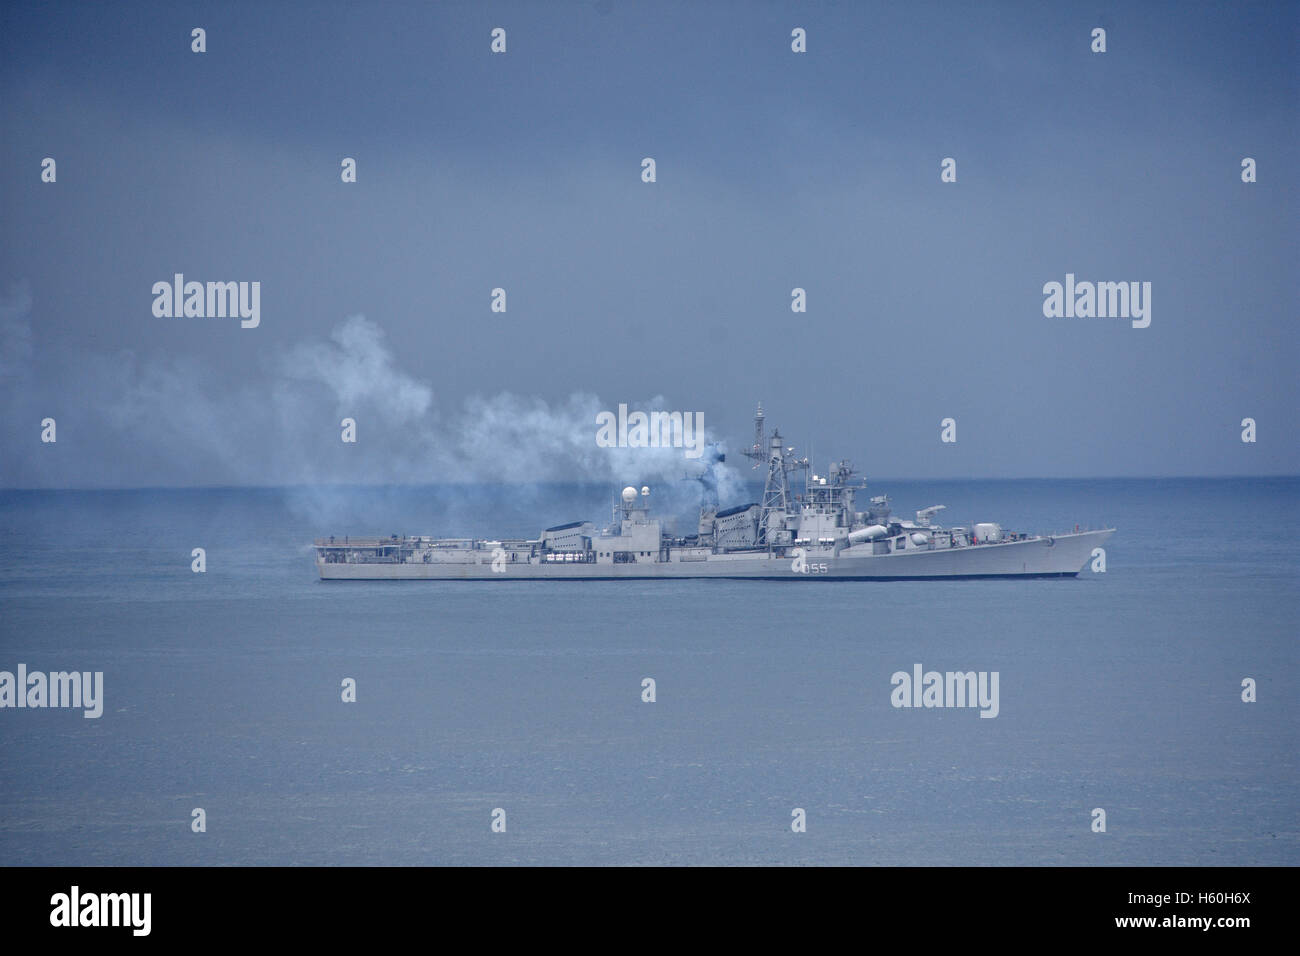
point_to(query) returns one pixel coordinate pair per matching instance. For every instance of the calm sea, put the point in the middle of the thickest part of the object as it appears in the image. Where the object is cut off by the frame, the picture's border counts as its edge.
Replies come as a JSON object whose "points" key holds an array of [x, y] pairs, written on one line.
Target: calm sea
{"points": [[222, 690]]}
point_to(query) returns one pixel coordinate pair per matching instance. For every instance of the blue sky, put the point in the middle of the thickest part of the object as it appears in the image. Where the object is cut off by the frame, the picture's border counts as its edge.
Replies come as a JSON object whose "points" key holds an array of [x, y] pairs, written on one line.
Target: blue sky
{"points": [[522, 170]]}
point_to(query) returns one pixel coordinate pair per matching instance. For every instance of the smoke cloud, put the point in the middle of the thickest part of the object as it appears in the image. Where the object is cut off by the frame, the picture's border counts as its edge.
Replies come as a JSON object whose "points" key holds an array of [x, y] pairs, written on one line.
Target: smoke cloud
{"points": [[131, 421]]}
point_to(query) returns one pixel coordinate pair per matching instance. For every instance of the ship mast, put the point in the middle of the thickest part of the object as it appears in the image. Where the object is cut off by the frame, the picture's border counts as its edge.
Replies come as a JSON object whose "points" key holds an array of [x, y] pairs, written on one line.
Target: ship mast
{"points": [[776, 488], [757, 450]]}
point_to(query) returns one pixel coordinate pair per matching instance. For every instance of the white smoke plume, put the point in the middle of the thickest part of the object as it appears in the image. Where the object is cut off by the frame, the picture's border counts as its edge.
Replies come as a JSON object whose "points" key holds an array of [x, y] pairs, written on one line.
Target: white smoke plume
{"points": [[358, 367], [166, 422]]}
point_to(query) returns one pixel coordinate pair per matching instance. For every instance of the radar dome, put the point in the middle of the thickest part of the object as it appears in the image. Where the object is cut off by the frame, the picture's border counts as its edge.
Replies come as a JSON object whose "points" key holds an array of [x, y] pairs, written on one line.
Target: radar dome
{"points": [[645, 489], [629, 495]]}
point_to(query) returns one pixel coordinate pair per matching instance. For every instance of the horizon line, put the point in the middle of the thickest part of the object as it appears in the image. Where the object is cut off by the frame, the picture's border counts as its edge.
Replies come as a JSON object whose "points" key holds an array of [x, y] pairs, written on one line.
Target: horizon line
{"points": [[508, 484]]}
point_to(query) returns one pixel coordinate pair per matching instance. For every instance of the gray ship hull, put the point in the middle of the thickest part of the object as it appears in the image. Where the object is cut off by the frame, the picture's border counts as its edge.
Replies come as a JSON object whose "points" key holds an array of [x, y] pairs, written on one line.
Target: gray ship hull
{"points": [[1059, 556]]}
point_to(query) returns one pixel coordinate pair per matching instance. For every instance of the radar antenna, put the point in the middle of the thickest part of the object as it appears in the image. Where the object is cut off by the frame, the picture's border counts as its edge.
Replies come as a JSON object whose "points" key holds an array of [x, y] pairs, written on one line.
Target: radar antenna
{"points": [[758, 451]]}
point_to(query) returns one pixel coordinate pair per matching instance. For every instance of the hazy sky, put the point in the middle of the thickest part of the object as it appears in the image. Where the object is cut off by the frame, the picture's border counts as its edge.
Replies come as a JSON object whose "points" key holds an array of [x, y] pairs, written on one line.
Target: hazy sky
{"points": [[522, 170]]}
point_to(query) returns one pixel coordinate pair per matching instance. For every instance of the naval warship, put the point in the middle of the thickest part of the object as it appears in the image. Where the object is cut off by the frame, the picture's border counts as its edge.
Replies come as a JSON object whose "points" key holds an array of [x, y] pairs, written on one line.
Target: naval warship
{"points": [[789, 535]]}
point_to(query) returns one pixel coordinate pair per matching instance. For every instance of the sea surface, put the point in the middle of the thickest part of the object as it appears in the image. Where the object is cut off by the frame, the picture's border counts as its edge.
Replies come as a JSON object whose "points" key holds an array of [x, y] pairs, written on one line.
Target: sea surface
{"points": [[1119, 690]]}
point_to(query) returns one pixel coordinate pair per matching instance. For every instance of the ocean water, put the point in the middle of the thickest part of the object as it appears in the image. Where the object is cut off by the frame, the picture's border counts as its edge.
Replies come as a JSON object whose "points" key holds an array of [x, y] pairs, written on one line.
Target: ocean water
{"points": [[222, 690]]}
